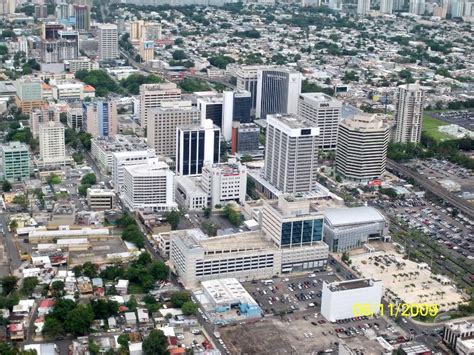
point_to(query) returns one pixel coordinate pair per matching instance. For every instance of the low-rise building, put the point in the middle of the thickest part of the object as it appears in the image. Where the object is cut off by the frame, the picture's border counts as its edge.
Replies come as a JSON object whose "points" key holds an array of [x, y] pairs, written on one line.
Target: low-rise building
{"points": [[339, 300], [100, 199], [15, 161], [457, 330], [349, 228], [189, 194]]}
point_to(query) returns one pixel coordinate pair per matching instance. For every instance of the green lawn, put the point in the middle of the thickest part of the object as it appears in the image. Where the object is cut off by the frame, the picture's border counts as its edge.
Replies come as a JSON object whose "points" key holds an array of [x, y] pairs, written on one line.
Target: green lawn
{"points": [[430, 126]]}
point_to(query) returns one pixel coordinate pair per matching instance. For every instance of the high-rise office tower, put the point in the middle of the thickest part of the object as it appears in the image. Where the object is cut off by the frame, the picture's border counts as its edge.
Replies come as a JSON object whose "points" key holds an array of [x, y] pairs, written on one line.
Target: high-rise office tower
{"points": [[291, 153], [162, 124], [213, 107], [51, 143], [417, 7], [108, 41], [408, 116], [149, 186], [152, 95], [15, 161], [82, 14], [362, 145], [363, 7], [195, 146], [245, 138], [325, 112], [247, 80], [75, 117], [236, 107], [277, 91], [386, 6], [58, 44]]}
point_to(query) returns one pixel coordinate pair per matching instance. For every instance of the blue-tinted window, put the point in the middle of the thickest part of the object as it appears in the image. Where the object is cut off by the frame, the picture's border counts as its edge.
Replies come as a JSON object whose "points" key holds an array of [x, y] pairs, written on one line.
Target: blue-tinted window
{"points": [[297, 229], [286, 234]]}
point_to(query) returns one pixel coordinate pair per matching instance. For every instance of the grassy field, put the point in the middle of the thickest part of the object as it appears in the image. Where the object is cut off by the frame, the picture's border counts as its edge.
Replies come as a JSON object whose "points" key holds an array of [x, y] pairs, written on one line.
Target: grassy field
{"points": [[430, 126]]}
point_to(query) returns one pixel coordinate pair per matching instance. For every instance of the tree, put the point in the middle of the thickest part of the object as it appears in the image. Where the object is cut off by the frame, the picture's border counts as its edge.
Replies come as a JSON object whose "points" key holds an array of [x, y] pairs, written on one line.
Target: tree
{"points": [[179, 55], [79, 320], [53, 179], [172, 217], [103, 309], [9, 284], [89, 269], [28, 286], [155, 343], [246, 158], [179, 298], [122, 340], [52, 327], [57, 288], [6, 186], [232, 215], [89, 179], [13, 225], [189, 308], [207, 212]]}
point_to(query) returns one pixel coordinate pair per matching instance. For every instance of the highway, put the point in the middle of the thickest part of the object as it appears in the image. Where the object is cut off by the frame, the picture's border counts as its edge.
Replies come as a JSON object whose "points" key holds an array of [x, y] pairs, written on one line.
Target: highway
{"points": [[162, 73], [462, 205]]}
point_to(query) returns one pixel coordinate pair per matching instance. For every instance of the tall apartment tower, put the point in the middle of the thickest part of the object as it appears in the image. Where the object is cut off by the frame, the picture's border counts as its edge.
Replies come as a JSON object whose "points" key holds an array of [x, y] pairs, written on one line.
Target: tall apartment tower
{"points": [[291, 153], [162, 124], [325, 112], [101, 118], [417, 7], [195, 146], [82, 14], [361, 153], [108, 41], [363, 7], [137, 30], [40, 115], [408, 116], [386, 6], [277, 91], [51, 143], [152, 95]]}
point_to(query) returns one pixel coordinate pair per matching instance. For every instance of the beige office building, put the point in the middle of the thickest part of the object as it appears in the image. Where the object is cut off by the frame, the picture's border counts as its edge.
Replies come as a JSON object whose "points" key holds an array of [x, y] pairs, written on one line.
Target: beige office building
{"points": [[152, 95]]}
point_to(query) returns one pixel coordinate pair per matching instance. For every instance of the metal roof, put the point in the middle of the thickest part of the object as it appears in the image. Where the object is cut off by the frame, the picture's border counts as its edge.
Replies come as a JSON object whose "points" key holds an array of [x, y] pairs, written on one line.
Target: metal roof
{"points": [[354, 215]]}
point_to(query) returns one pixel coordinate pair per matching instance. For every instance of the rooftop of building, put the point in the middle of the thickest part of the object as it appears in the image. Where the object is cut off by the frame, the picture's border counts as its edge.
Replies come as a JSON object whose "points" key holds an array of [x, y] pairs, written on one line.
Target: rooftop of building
{"points": [[461, 326], [292, 121], [367, 123], [291, 205], [318, 96], [191, 184], [354, 215], [14, 146], [227, 168], [240, 242], [153, 168], [121, 143], [350, 285], [227, 291]]}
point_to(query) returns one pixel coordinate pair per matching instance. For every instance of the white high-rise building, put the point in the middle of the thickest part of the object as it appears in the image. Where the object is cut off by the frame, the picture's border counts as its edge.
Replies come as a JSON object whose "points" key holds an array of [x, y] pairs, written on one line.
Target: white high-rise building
{"points": [[291, 153], [277, 91], [363, 7], [152, 95], [51, 143], [149, 187], [247, 79], [195, 146], [224, 182], [339, 300], [162, 124], [386, 6], [108, 41], [408, 116], [122, 159], [417, 7], [361, 153], [325, 112]]}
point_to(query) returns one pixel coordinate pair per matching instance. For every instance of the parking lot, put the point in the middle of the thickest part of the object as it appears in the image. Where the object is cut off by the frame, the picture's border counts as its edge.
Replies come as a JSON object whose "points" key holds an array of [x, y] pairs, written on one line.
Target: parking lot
{"points": [[452, 231], [291, 294], [439, 170], [463, 118]]}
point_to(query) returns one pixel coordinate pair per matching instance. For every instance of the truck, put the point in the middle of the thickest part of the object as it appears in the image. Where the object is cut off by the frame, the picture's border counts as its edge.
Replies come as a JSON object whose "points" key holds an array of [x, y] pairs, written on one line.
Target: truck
{"points": [[267, 282], [217, 334]]}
